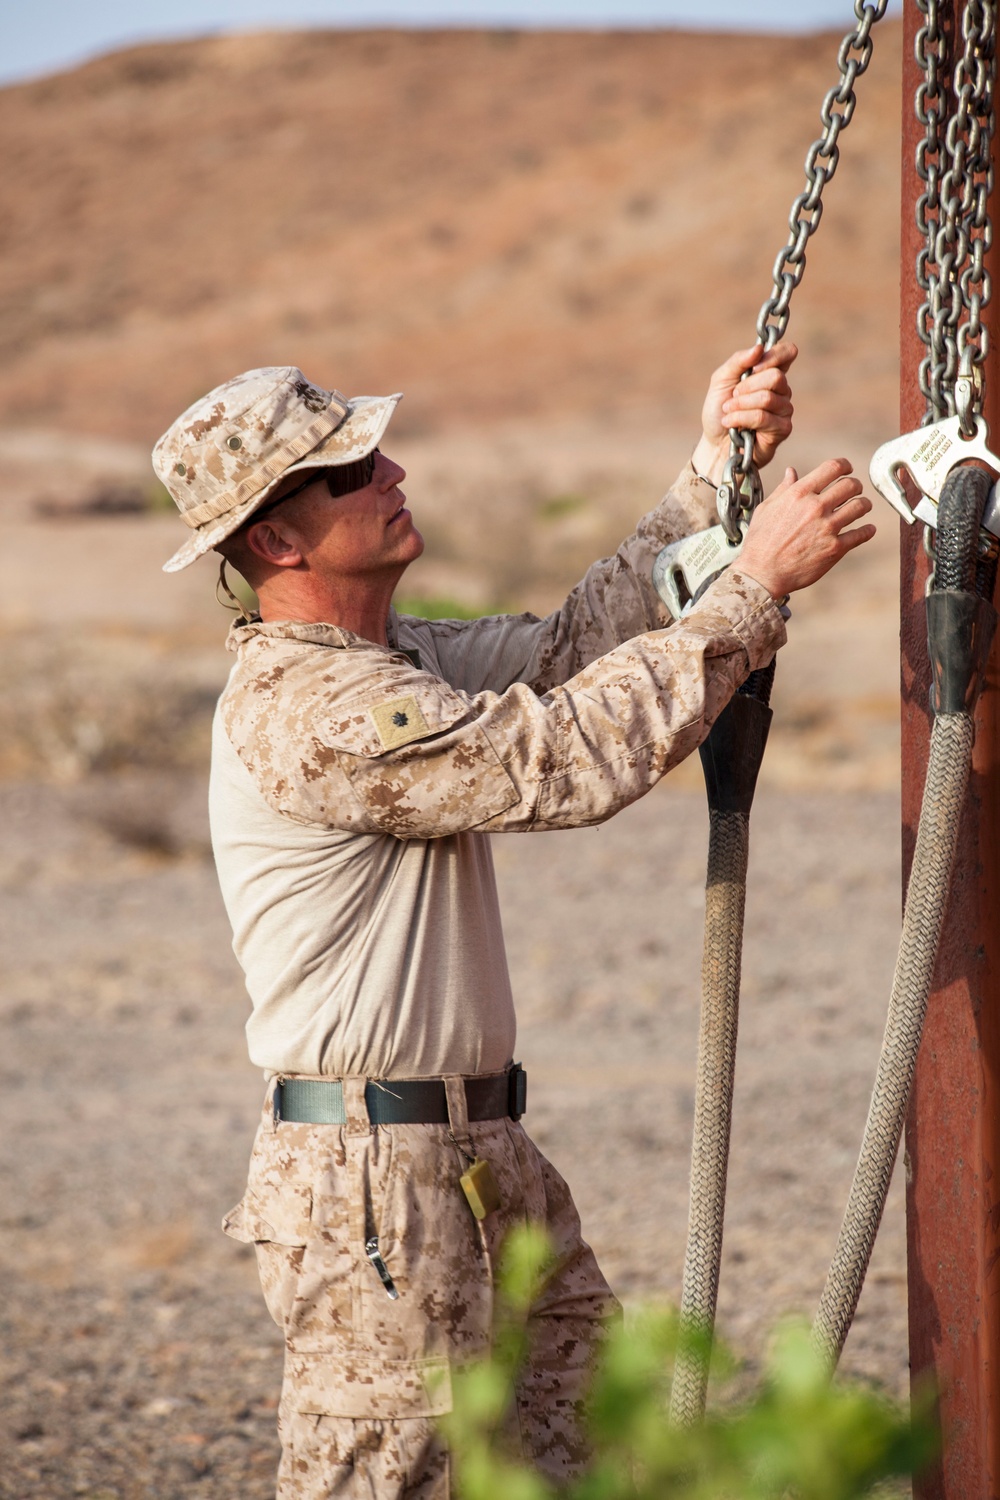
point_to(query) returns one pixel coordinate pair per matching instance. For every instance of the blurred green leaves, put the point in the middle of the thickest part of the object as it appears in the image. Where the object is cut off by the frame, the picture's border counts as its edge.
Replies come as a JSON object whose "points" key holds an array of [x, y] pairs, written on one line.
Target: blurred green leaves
{"points": [[797, 1434], [440, 608], [557, 506]]}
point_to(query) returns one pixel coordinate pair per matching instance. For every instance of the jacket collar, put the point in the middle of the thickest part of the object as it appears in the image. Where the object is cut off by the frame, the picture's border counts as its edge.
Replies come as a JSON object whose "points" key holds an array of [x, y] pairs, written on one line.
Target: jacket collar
{"points": [[314, 634]]}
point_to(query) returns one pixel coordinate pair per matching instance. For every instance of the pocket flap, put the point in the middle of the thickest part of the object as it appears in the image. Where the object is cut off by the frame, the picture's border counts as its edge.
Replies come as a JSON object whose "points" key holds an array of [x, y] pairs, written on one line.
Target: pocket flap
{"points": [[359, 1386], [281, 1217], [401, 714]]}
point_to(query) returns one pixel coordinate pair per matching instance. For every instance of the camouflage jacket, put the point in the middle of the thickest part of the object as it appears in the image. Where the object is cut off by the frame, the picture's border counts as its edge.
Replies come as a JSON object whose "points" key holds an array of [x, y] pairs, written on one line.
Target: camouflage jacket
{"points": [[352, 784]]}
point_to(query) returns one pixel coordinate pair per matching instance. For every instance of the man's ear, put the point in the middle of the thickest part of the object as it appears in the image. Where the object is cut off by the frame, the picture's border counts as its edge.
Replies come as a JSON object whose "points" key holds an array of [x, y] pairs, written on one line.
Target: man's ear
{"points": [[274, 543]]}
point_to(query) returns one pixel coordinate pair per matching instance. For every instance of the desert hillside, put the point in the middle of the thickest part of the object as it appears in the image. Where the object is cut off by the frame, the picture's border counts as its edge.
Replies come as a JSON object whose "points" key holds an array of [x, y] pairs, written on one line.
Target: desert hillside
{"points": [[503, 224], [546, 240]]}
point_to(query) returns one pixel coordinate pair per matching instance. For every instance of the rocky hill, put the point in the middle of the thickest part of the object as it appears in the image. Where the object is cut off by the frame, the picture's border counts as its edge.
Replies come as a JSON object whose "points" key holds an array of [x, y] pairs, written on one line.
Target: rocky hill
{"points": [[504, 224]]}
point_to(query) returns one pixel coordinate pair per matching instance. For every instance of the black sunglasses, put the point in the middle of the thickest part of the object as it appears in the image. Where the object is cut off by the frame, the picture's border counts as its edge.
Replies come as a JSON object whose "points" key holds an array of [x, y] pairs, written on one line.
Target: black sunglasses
{"points": [[341, 479]]}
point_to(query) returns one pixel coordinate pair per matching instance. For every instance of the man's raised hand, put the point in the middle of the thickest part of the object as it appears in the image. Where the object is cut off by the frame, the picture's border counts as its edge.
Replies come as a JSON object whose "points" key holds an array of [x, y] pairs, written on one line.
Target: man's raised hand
{"points": [[762, 402], [799, 532]]}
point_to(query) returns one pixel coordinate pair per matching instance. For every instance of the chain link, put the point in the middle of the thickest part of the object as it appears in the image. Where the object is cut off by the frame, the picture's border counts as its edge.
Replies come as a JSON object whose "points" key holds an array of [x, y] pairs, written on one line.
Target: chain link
{"points": [[741, 490], [954, 162], [930, 551]]}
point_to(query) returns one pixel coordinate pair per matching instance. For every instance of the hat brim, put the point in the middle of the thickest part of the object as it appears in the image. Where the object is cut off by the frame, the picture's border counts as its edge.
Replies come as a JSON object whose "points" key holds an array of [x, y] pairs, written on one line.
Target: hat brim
{"points": [[360, 431]]}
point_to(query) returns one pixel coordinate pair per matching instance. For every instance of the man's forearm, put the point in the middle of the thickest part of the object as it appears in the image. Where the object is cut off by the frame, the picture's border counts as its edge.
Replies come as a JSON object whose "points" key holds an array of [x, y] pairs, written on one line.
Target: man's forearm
{"points": [[616, 600]]}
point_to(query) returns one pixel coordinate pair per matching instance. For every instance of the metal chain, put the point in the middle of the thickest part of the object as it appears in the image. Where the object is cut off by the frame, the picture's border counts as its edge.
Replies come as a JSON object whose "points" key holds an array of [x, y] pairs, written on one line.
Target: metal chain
{"points": [[741, 489], [954, 162], [931, 50]]}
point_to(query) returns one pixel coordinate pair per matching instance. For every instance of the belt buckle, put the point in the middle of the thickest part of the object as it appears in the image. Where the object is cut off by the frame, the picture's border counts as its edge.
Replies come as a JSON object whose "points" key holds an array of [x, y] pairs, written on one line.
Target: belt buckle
{"points": [[517, 1091]]}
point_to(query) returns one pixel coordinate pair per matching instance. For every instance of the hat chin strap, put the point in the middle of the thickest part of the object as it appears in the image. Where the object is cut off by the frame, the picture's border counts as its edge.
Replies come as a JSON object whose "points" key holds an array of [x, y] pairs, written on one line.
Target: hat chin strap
{"points": [[230, 601]]}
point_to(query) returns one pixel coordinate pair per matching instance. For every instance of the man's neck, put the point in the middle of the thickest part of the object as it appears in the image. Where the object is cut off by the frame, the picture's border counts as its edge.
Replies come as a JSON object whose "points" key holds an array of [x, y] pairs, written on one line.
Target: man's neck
{"points": [[360, 606]]}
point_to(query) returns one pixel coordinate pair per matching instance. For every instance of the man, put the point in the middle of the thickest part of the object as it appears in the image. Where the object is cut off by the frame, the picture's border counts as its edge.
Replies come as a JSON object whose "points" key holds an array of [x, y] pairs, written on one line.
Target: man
{"points": [[359, 761]]}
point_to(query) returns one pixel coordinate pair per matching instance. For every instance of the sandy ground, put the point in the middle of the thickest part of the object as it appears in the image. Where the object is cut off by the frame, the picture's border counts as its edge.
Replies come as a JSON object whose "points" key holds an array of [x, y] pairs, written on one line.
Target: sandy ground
{"points": [[137, 1359]]}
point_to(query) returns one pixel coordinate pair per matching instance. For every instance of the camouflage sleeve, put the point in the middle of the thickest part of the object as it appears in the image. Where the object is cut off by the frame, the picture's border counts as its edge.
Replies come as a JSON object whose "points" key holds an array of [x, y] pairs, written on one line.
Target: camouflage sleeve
{"points": [[612, 603], [403, 753]]}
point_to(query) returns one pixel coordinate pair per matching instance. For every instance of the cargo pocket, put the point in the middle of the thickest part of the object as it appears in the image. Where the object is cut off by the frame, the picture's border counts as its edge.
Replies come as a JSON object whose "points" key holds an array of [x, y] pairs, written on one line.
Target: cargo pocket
{"points": [[344, 1456], [366, 1388], [278, 1226]]}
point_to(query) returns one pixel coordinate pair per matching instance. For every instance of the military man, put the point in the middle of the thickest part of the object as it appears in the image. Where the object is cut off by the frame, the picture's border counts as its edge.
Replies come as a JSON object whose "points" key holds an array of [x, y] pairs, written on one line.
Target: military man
{"points": [[361, 759]]}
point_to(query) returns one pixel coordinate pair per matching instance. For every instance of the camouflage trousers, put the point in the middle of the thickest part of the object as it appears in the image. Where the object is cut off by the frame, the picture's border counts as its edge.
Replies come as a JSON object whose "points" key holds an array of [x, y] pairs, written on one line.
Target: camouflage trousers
{"points": [[366, 1376]]}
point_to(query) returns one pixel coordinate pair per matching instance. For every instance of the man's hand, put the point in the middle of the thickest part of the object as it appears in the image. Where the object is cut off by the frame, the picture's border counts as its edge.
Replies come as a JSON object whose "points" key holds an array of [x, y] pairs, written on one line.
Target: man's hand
{"points": [[761, 402], [798, 534]]}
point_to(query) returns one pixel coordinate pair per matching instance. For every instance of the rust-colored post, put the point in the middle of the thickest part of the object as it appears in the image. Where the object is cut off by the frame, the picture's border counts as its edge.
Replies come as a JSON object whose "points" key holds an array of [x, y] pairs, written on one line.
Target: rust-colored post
{"points": [[953, 1130]]}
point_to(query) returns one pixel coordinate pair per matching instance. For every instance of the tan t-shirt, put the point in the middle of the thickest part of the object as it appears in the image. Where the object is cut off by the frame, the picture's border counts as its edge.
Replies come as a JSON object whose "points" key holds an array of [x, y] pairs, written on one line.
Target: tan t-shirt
{"points": [[353, 786]]}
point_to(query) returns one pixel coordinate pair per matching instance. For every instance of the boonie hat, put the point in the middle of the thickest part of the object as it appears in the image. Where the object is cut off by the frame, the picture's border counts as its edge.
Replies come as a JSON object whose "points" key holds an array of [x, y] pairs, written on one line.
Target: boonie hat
{"points": [[228, 452]]}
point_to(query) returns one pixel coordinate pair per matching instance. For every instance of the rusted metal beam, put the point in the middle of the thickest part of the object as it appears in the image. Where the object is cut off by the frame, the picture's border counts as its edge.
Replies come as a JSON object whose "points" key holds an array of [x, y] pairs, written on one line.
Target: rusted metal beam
{"points": [[953, 1131]]}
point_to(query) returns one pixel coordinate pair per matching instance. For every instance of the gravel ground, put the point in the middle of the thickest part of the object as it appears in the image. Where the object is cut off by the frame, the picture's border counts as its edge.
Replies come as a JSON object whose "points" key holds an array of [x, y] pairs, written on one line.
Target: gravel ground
{"points": [[137, 1359]]}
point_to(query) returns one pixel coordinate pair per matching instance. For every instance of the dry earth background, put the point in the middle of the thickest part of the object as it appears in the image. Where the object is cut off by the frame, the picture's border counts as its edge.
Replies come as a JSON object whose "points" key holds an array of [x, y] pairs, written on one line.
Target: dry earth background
{"points": [[547, 241]]}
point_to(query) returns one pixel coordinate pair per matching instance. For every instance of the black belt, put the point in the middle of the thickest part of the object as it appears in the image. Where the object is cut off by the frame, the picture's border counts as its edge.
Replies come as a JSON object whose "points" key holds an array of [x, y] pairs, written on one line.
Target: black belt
{"points": [[401, 1101]]}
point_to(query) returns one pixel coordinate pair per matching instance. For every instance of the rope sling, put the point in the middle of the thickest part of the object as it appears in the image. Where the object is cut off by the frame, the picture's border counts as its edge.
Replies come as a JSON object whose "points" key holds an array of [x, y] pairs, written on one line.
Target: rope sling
{"points": [[954, 162], [731, 759]]}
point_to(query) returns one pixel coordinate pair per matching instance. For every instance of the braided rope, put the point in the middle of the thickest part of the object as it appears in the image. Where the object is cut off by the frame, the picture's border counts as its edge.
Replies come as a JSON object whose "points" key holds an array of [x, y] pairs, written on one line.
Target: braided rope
{"points": [[926, 900], [725, 898]]}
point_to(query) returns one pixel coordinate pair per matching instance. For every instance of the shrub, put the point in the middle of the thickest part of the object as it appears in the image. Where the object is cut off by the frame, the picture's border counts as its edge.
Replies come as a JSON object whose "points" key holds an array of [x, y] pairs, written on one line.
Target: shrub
{"points": [[440, 608], [798, 1433]]}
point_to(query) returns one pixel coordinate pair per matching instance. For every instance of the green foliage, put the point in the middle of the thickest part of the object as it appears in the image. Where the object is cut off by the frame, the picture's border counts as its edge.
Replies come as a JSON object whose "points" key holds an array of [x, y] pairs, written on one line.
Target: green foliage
{"points": [[440, 609], [558, 506], [798, 1434], [159, 500]]}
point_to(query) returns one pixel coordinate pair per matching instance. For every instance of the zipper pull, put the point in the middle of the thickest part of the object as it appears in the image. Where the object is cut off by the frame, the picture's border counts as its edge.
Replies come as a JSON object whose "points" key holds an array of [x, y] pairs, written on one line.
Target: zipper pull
{"points": [[374, 1254]]}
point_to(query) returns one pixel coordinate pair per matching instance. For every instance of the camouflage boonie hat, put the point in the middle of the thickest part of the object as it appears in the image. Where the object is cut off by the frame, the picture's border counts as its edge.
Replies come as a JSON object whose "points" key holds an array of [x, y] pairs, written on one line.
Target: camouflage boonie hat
{"points": [[228, 452]]}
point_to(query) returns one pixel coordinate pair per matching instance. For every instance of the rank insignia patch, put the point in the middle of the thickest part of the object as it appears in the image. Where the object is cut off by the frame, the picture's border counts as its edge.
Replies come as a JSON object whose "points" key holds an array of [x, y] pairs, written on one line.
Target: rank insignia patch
{"points": [[399, 722]]}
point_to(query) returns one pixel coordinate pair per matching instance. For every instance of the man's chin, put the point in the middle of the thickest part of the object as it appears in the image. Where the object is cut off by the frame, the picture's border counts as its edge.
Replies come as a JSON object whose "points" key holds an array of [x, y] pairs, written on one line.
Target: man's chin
{"points": [[416, 546], [408, 550]]}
